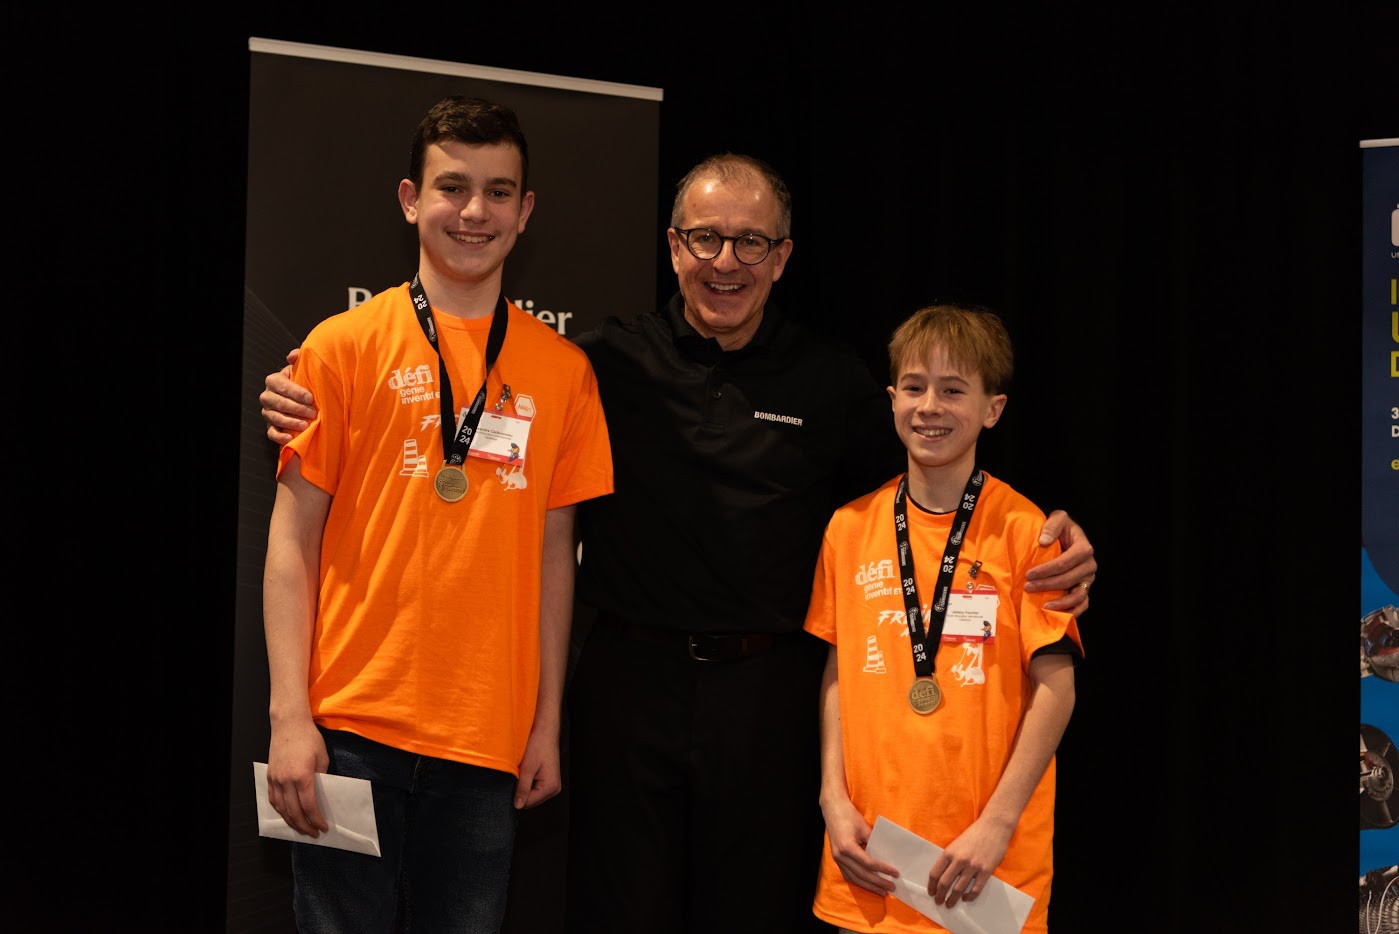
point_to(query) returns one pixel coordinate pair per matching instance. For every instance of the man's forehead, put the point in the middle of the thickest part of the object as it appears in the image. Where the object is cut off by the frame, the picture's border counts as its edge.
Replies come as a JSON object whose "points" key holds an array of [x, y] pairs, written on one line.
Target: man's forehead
{"points": [[743, 186], [746, 195]]}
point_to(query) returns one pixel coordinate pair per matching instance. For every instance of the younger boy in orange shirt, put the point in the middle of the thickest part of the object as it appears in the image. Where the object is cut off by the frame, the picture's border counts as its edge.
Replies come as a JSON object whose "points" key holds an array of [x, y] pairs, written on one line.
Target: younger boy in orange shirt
{"points": [[947, 686]]}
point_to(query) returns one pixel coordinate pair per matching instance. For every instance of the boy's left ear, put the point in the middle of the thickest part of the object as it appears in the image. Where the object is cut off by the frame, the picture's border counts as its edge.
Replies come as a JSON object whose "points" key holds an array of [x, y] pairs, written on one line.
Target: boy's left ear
{"points": [[526, 209], [993, 412]]}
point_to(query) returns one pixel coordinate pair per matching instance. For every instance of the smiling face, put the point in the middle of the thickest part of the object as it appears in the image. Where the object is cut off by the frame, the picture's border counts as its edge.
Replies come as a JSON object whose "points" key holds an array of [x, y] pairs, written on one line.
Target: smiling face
{"points": [[469, 210], [724, 298], [939, 410]]}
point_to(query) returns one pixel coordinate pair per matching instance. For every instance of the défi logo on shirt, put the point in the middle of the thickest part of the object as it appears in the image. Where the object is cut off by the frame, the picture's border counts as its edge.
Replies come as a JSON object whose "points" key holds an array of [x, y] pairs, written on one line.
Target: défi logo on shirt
{"points": [[413, 384], [422, 373]]}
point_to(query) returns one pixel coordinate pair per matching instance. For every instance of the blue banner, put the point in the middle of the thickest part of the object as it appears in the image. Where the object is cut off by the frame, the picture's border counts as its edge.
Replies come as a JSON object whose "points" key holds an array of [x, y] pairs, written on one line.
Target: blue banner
{"points": [[1379, 552]]}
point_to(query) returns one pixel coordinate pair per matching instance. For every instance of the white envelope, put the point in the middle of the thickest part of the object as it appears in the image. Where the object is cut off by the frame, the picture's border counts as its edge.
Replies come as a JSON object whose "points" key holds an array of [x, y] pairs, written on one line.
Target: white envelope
{"points": [[998, 909], [346, 803]]}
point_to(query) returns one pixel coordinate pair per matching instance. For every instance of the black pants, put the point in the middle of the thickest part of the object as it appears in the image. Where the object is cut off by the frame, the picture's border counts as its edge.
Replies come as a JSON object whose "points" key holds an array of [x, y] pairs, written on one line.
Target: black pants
{"points": [[693, 788]]}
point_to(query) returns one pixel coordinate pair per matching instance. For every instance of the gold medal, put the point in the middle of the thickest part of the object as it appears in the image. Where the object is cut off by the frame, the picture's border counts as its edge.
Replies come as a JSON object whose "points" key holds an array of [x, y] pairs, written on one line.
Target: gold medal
{"points": [[450, 483], [924, 696]]}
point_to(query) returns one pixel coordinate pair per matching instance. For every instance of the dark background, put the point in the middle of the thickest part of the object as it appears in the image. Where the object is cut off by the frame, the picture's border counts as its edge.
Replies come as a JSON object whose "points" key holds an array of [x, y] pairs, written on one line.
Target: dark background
{"points": [[1165, 207]]}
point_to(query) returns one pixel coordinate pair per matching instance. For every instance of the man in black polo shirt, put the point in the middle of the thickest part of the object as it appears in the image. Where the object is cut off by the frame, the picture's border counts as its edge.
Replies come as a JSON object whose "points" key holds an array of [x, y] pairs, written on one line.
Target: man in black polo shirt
{"points": [[694, 744], [694, 728]]}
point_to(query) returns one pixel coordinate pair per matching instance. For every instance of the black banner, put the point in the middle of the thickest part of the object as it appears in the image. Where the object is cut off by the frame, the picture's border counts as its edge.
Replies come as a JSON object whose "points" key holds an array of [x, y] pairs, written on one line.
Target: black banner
{"points": [[328, 141]]}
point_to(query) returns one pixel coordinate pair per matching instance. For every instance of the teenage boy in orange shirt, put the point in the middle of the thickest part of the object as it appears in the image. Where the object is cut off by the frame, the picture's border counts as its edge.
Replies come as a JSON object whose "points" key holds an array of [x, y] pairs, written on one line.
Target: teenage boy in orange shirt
{"points": [[418, 591], [947, 686]]}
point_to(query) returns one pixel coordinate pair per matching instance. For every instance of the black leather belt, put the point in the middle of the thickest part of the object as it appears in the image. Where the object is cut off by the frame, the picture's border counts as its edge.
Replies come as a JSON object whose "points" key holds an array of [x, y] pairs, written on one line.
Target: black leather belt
{"points": [[702, 647]]}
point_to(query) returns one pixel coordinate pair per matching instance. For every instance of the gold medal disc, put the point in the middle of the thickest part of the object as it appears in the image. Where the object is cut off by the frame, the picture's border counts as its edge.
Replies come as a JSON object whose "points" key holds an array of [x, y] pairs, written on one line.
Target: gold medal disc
{"points": [[450, 483], [924, 696]]}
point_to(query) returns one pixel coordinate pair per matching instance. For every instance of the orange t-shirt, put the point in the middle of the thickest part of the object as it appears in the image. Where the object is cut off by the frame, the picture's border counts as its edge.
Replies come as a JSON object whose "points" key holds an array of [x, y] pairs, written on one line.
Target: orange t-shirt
{"points": [[427, 626], [933, 774]]}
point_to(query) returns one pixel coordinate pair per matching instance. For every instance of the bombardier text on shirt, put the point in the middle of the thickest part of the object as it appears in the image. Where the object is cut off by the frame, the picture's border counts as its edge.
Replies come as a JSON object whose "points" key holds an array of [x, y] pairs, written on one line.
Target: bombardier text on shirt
{"points": [[787, 419]]}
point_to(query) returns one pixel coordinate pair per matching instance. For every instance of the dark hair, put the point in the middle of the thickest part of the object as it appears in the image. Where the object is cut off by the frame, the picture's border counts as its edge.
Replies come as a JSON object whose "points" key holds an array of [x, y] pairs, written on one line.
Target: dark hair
{"points": [[731, 167], [469, 120], [972, 336]]}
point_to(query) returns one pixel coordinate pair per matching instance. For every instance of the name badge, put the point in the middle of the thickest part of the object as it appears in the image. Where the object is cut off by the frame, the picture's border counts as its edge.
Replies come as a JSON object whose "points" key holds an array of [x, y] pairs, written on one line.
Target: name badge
{"points": [[971, 617], [501, 438]]}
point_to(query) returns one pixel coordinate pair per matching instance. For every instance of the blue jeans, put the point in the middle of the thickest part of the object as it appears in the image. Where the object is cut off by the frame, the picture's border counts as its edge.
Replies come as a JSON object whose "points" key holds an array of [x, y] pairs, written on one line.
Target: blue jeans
{"points": [[446, 835]]}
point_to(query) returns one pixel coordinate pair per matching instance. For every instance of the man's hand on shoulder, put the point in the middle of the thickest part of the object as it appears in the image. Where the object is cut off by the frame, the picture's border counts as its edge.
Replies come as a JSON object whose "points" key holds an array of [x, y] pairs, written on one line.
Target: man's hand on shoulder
{"points": [[286, 406], [1072, 572]]}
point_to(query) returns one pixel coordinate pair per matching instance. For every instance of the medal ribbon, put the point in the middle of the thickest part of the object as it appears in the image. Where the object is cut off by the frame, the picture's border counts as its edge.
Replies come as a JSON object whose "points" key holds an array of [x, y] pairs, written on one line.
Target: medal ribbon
{"points": [[457, 441], [918, 637]]}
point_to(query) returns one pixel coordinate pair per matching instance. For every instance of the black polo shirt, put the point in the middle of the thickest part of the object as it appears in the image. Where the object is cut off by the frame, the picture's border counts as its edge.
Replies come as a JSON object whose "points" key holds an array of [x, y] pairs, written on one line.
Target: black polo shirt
{"points": [[727, 466]]}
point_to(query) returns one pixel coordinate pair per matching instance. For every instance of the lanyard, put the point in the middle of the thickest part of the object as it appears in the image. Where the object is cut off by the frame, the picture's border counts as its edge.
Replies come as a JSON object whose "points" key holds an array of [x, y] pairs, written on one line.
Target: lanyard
{"points": [[922, 657], [456, 443]]}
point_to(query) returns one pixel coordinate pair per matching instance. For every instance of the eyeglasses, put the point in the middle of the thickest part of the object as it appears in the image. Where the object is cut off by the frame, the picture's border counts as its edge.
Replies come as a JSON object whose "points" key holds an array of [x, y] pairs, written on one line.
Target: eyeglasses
{"points": [[750, 248]]}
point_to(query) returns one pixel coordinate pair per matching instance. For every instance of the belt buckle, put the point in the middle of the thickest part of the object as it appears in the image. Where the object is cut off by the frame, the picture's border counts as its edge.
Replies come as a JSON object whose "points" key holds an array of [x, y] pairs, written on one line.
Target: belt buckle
{"points": [[691, 646]]}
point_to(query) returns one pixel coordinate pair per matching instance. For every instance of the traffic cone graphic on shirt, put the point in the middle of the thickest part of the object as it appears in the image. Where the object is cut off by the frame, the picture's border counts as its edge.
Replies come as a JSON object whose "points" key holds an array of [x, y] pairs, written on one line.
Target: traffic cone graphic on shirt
{"points": [[874, 659], [414, 464]]}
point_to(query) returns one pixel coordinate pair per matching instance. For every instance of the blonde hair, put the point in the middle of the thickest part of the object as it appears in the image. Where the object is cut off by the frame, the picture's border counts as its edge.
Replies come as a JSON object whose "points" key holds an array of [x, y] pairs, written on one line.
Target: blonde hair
{"points": [[972, 337]]}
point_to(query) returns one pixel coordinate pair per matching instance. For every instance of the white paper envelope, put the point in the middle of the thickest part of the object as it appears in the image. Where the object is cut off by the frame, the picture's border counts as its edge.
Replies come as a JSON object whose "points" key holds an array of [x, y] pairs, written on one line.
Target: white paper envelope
{"points": [[346, 803], [998, 909]]}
